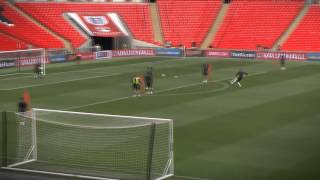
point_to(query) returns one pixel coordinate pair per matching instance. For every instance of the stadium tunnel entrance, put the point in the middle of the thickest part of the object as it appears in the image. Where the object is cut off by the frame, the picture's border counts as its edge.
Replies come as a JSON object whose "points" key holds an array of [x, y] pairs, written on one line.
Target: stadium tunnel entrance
{"points": [[110, 43], [106, 30]]}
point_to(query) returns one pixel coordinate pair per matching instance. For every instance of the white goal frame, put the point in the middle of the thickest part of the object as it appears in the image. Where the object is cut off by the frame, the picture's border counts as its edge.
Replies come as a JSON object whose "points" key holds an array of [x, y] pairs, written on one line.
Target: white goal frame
{"points": [[32, 153], [18, 57]]}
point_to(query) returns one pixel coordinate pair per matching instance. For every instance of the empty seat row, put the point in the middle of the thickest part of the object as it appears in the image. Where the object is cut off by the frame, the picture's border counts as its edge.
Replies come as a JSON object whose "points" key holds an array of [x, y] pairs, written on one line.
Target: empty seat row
{"points": [[8, 43], [136, 17], [187, 22], [26, 30], [251, 24], [306, 36]]}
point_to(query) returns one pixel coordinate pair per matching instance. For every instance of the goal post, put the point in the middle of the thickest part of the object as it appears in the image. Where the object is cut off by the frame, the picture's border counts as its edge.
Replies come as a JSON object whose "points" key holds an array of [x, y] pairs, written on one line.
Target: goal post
{"points": [[22, 61], [93, 146]]}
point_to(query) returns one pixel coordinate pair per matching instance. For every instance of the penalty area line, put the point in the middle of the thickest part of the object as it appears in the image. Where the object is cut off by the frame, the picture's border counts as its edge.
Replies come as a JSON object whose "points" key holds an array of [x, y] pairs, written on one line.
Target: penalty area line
{"points": [[60, 82], [224, 87], [14, 74], [156, 92], [127, 97], [189, 177]]}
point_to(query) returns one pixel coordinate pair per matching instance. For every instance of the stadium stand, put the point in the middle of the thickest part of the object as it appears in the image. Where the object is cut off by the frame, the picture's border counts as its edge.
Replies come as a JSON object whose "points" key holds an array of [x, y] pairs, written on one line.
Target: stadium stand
{"points": [[256, 23], [136, 16], [184, 22], [10, 43], [26, 30], [3, 19], [306, 36]]}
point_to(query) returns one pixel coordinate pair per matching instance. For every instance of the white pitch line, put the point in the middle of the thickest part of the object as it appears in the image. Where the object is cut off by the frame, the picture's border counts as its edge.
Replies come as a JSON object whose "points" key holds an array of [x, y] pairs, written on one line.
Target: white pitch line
{"points": [[86, 70], [160, 91], [20, 77], [31, 75], [127, 97], [59, 82], [96, 103], [224, 87], [37, 85], [188, 177], [5, 75]]}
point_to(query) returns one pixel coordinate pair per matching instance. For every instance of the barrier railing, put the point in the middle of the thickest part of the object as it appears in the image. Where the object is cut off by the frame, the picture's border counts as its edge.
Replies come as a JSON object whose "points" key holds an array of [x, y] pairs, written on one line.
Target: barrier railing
{"points": [[61, 55]]}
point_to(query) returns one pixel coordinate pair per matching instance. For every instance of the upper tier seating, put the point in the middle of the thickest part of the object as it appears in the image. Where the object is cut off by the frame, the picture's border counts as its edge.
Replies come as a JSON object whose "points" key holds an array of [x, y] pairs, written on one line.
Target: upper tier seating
{"points": [[184, 22], [136, 16], [10, 44], [250, 24], [26, 30], [306, 36]]}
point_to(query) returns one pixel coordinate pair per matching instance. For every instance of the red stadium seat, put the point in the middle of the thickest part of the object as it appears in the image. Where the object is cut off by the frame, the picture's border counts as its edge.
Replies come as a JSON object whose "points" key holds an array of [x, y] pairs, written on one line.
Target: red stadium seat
{"points": [[249, 24], [27, 31], [136, 16], [184, 22], [306, 36], [10, 43]]}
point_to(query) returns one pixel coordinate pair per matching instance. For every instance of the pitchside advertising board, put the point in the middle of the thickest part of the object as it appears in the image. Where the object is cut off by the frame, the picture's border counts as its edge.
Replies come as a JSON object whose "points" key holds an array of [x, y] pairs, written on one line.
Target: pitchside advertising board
{"points": [[313, 56], [100, 24], [243, 54], [7, 63], [168, 52], [296, 56], [217, 53], [132, 52], [100, 55], [22, 62], [103, 54], [123, 53], [57, 58], [194, 52], [31, 61]]}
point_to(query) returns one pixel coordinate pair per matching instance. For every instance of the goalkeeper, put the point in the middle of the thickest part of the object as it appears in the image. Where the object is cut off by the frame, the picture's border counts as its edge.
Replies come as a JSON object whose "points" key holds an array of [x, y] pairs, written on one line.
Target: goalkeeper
{"points": [[149, 80], [238, 77], [38, 70]]}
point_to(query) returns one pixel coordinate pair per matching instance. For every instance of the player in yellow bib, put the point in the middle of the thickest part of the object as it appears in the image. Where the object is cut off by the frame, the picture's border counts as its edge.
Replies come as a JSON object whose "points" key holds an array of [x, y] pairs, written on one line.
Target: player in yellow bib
{"points": [[136, 85]]}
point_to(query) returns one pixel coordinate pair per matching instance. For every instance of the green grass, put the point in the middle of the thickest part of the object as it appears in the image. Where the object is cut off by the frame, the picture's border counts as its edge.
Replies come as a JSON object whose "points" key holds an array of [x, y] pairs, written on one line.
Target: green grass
{"points": [[268, 129]]}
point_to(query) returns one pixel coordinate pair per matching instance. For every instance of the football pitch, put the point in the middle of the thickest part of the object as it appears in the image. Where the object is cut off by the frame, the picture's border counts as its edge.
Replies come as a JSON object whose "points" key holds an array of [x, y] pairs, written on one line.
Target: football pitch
{"points": [[267, 129]]}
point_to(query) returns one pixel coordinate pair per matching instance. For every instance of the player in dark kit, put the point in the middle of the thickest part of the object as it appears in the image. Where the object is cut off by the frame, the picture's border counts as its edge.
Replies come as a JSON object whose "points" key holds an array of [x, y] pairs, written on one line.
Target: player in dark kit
{"points": [[282, 62], [205, 72], [37, 70], [239, 76], [149, 80], [22, 106]]}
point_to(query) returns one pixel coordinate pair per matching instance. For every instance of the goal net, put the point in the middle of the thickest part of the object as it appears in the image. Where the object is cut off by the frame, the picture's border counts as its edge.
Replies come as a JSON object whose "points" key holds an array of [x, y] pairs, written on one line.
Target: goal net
{"points": [[94, 146], [21, 61]]}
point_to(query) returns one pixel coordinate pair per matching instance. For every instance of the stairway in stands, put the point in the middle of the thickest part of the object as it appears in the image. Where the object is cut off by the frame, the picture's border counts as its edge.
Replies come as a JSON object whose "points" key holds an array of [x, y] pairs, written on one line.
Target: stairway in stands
{"points": [[306, 36], [184, 22], [27, 31], [255, 23], [10, 43]]}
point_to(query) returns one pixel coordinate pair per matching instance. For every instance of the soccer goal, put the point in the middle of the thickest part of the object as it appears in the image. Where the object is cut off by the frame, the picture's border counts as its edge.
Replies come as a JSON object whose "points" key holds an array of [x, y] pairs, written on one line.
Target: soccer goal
{"points": [[92, 146], [22, 61]]}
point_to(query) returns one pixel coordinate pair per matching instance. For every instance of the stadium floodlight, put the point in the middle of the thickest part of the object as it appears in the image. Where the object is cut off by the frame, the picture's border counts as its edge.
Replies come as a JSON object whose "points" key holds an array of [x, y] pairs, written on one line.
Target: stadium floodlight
{"points": [[93, 146], [23, 61]]}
